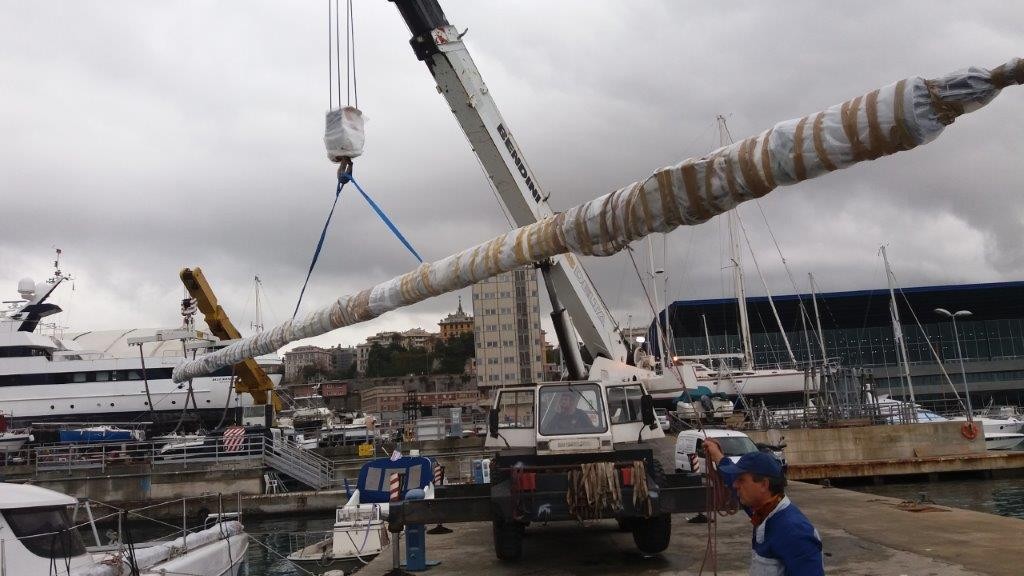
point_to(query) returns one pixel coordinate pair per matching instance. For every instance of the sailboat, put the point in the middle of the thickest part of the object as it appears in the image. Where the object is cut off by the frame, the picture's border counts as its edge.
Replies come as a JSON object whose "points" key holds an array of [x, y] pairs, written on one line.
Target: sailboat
{"points": [[775, 383]]}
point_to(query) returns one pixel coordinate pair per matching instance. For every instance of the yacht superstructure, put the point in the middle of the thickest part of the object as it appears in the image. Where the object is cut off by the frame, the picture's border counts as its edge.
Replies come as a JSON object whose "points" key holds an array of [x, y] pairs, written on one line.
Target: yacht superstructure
{"points": [[119, 375]]}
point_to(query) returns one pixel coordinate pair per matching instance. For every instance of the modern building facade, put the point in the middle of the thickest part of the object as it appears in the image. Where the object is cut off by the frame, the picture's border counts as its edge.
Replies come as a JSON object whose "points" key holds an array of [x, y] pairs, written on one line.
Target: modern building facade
{"points": [[506, 330], [858, 332]]}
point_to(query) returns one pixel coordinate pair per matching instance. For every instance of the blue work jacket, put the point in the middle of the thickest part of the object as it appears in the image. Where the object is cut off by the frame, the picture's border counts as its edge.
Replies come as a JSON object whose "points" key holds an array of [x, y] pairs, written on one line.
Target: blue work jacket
{"points": [[785, 544]]}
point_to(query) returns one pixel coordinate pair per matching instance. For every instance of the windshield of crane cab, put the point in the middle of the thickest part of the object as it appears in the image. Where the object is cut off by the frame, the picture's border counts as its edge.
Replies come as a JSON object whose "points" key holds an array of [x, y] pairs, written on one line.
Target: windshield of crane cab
{"points": [[576, 409]]}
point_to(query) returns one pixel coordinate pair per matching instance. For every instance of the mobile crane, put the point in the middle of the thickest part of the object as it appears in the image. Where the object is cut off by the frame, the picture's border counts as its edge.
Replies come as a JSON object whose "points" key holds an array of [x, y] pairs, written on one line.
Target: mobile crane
{"points": [[249, 377], [547, 435]]}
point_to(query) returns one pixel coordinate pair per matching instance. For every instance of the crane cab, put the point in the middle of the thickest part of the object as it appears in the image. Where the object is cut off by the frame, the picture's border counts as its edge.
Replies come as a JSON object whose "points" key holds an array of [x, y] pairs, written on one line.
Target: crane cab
{"points": [[555, 418]]}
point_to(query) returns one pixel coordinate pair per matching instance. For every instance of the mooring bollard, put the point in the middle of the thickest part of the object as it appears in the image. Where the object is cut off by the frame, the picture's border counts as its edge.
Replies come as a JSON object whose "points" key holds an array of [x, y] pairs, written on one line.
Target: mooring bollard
{"points": [[438, 481], [395, 488], [416, 540]]}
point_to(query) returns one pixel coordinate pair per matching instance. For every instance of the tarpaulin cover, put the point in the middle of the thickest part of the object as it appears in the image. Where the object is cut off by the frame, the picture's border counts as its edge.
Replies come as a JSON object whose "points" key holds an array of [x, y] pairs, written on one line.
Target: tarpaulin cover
{"points": [[344, 135], [897, 117]]}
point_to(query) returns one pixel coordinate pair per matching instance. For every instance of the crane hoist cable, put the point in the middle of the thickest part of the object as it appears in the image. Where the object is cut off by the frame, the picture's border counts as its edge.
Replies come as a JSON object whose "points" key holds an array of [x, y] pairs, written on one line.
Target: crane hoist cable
{"points": [[334, 55], [343, 135]]}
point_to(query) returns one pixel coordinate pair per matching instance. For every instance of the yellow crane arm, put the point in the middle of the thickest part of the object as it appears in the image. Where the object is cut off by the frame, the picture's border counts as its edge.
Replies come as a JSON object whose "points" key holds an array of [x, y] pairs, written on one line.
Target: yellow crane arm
{"points": [[250, 378]]}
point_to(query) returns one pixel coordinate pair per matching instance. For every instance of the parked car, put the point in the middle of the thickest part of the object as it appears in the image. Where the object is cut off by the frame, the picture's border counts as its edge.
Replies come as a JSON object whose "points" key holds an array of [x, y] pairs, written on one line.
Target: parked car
{"points": [[663, 420]]}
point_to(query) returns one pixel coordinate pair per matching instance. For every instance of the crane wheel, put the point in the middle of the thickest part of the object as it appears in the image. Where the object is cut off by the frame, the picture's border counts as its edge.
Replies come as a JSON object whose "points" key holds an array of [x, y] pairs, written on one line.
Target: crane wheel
{"points": [[508, 539], [652, 535]]}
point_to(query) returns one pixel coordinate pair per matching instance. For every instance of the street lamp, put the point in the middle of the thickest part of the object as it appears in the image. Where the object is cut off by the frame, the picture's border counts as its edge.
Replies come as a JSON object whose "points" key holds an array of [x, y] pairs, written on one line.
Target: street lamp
{"points": [[963, 373]]}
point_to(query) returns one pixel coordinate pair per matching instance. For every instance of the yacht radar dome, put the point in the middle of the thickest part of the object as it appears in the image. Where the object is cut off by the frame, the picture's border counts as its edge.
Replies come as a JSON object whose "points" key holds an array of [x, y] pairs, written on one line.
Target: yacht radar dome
{"points": [[27, 288]]}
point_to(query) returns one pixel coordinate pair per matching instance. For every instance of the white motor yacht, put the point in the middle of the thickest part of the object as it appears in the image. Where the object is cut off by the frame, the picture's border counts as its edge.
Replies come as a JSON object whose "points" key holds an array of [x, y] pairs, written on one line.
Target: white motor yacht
{"points": [[102, 376]]}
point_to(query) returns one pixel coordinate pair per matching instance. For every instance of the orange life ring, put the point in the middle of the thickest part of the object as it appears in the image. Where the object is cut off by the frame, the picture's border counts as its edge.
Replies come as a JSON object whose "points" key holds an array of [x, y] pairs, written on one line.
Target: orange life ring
{"points": [[970, 430]]}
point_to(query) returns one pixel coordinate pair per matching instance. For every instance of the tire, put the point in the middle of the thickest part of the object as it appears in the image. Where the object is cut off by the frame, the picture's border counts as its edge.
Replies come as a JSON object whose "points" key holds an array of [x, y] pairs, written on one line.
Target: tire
{"points": [[652, 535], [508, 540]]}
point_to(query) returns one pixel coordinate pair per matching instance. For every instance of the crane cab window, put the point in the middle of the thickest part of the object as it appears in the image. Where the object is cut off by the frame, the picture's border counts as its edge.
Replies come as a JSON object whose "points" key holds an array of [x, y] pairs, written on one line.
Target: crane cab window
{"points": [[515, 409], [576, 409], [624, 404]]}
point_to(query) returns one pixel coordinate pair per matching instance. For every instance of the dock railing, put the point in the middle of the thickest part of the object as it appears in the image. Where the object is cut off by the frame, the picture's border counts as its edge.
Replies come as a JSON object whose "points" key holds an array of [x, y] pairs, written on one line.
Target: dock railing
{"points": [[251, 450], [178, 452]]}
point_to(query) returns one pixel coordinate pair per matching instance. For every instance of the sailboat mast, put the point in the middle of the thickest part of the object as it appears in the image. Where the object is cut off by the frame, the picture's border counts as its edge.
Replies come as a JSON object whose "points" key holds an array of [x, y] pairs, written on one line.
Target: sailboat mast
{"points": [[817, 321], [741, 295], [737, 272], [897, 329], [670, 337], [707, 337], [657, 306]]}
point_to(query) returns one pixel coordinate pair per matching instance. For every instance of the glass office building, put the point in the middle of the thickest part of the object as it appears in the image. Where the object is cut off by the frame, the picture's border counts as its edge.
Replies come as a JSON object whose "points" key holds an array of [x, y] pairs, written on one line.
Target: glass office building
{"points": [[858, 332]]}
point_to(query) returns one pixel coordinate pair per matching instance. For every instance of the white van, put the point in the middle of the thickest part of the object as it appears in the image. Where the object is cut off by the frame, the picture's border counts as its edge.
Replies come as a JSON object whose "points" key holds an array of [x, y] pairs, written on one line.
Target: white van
{"points": [[690, 447]]}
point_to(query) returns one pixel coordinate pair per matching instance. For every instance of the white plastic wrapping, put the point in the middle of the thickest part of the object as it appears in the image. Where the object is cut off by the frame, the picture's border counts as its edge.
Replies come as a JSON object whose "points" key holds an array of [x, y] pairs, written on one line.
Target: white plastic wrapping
{"points": [[898, 117], [344, 135]]}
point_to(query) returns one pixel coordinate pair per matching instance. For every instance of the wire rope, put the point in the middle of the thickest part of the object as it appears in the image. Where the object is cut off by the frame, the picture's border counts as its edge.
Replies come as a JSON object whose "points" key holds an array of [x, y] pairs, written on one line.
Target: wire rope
{"points": [[337, 49]]}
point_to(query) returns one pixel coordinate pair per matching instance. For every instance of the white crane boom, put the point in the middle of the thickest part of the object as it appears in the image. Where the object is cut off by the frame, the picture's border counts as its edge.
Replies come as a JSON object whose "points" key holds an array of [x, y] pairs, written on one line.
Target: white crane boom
{"points": [[439, 45]]}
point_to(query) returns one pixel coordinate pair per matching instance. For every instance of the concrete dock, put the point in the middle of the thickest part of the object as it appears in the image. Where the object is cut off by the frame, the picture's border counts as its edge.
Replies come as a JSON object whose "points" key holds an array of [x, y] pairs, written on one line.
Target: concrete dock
{"points": [[863, 534]]}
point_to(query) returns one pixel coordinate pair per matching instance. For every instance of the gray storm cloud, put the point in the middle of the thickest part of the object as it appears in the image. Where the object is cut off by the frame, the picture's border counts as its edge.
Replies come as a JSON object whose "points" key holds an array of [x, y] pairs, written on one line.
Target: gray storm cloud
{"points": [[142, 138]]}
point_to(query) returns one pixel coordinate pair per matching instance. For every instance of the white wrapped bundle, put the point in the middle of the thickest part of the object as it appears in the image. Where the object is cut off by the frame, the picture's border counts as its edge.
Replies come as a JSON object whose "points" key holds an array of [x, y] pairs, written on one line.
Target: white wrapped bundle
{"points": [[898, 117], [344, 136]]}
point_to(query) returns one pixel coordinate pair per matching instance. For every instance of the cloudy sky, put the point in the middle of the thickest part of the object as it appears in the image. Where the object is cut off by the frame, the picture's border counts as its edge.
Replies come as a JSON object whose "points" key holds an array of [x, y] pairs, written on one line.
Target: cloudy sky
{"points": [[140, 137]]}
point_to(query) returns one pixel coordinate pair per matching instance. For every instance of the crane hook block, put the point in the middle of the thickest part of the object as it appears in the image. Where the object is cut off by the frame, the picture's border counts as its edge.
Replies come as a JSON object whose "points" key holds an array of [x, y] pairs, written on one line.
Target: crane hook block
{"points": [[344, 135]]}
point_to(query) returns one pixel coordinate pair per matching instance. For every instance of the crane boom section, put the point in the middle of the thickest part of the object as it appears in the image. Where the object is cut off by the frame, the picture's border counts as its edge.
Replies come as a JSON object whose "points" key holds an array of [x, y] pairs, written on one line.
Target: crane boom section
{"points": [[439, 45], [251, 378]]}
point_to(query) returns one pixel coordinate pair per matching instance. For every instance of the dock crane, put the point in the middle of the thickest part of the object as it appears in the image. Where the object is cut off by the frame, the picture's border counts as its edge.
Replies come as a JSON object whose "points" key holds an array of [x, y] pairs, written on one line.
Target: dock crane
{"points": [[249, 377]]}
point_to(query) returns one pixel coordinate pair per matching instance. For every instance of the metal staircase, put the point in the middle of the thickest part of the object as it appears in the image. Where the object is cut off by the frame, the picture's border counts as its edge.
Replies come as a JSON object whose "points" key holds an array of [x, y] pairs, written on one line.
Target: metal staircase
{"points": [[307, 467]]}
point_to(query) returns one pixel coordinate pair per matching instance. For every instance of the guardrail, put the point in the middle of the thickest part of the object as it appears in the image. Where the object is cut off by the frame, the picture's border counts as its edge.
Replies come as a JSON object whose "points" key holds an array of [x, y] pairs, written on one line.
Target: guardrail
{"points": [[177, 452], [279, 454]]}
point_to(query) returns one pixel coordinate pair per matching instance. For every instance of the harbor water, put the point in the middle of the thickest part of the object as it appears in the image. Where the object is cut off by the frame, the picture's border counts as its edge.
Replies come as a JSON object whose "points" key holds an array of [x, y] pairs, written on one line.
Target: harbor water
{"points": [[1004, 497], [271, 540]]}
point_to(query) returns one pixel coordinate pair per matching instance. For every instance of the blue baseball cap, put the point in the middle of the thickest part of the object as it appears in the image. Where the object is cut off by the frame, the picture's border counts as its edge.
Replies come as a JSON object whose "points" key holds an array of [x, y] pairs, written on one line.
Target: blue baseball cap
{"points": [[760, 463]]}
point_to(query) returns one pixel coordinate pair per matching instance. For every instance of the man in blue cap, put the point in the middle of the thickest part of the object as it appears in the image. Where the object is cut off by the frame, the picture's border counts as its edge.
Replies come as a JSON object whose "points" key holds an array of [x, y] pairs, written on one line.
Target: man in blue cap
{"points": [[784, 541]]}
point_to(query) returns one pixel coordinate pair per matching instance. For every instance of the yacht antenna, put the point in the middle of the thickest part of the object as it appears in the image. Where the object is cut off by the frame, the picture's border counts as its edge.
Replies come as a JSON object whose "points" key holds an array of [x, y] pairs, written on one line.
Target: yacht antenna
{"points": [[257, 324]]}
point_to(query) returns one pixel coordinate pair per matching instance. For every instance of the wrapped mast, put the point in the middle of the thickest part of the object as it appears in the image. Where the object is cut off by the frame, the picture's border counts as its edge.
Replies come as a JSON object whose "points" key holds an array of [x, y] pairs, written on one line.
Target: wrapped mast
{"points": [[898, 117]]}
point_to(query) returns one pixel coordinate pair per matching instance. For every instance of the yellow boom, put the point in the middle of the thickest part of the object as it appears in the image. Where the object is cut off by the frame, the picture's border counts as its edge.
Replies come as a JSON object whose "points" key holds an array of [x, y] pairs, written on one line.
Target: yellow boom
{"points": [[250, 378]]}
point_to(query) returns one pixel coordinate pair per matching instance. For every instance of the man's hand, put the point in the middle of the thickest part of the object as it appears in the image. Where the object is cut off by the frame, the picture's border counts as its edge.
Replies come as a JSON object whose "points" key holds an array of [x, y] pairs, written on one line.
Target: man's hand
{"points": [[713, 450]]}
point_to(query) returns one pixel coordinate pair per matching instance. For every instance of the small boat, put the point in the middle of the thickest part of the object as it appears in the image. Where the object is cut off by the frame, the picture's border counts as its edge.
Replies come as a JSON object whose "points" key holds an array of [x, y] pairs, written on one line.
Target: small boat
{"points": [[1000, 433], [702, 403], [39, 538], [1002, 440], [12, 440], [103, 433], [360, 525]]}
